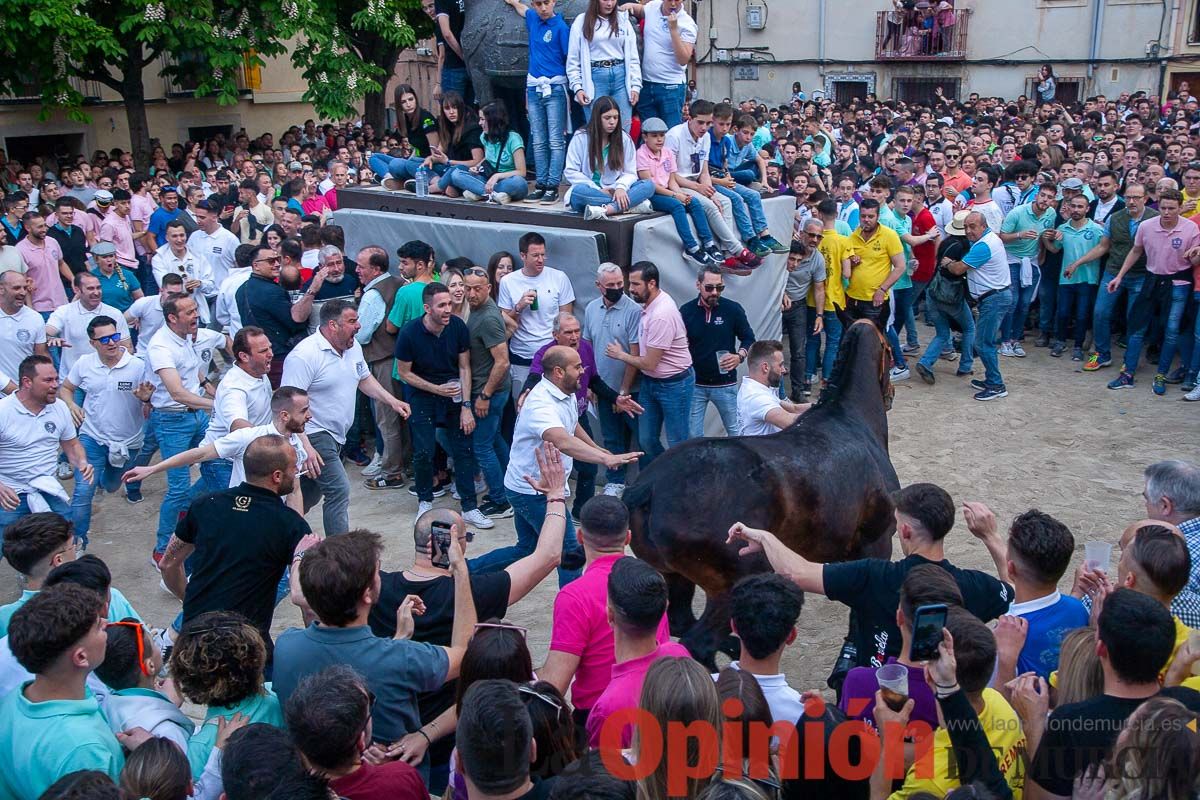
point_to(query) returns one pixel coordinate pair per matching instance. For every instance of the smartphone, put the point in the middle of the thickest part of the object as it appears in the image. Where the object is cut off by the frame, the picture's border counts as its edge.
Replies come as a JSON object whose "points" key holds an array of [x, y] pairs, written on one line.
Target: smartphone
{"points": [[440, 539], [928, 622]]}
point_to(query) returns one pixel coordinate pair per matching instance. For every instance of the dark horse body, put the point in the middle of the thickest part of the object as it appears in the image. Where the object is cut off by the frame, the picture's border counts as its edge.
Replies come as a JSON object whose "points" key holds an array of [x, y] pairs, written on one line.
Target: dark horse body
{"points": [[822, 486]]}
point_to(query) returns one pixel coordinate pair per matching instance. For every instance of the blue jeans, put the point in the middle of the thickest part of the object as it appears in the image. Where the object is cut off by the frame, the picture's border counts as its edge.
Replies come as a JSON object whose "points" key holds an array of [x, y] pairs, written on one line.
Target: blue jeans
{"points": [[1074, 302], [666, 402], [428, 412], [401, 169], [22, 510], [942, 337], [547, 134], [464, 180], [105, 475], [747, 209], [662, 100], [797, 327], [620, 434], [745, 175], [725, 399], [454, 79], [1013, 327], [1047, 299], [902, 302], [1171, 341], [491, 451], [679, 214], [987, 335], [585, 474], [1195, 365], [833, 340], [610, 82], [1131, 285], [529, 512], [175, 432], [585, 194]]}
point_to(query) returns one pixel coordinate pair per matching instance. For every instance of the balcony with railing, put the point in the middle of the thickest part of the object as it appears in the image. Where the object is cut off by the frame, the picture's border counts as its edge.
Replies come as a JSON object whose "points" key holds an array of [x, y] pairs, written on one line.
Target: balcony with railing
{"points": [[182, 75], [919, 37], [30, 92]]}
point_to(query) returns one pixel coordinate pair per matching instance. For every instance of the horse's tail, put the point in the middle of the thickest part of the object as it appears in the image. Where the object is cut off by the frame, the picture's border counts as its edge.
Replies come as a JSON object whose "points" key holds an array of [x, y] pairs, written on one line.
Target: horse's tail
{"points": [[638, 496]]}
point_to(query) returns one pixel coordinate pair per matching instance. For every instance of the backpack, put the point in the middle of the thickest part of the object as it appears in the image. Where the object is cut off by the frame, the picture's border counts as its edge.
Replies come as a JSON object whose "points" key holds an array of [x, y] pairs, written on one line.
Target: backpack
{"points": [[946, 289]]}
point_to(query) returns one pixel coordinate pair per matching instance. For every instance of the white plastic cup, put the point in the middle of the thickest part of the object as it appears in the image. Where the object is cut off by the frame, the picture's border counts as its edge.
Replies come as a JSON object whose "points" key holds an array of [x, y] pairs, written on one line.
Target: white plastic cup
{"points": [[1096, 555], [720, 355], [893, 684], [457, 398]]}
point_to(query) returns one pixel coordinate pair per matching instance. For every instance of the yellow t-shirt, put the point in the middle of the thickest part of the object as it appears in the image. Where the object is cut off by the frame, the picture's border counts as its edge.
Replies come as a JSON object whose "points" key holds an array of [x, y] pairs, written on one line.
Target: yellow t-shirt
{"points": [[1182, 632], [1003, 730], [834, 249], [876, 255]]}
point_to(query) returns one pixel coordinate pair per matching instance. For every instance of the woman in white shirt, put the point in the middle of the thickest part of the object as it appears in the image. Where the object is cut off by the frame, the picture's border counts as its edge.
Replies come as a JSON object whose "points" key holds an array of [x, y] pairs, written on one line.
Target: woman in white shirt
{"points": [[601, 167], [602, 59]]}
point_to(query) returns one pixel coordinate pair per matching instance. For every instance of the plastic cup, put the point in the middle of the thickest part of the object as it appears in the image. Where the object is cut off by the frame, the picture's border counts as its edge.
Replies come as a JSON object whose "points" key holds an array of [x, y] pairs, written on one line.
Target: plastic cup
{"points": [[720, 355], [1096, 555], [457, 398], [893, 685]]}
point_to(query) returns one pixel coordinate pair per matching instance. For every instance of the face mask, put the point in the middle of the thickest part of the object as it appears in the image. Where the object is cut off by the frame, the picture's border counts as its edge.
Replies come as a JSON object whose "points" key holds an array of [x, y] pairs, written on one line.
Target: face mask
{"points": [[613, 295]]}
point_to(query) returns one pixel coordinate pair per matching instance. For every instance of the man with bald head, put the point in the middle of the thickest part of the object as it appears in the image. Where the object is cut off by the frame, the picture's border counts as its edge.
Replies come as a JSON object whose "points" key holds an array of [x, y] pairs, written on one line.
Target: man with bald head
{"points": [[550, 413]]}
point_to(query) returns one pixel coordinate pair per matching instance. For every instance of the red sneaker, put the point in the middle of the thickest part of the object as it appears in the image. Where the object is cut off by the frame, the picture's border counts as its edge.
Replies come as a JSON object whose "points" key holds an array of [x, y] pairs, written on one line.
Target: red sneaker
{"points": [[748, 259], [155, 558]]}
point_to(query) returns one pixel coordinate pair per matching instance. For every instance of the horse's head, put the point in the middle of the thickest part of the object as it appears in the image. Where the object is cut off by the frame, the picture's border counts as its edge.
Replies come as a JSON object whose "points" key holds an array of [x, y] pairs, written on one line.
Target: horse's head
{"points": [[864, 355]]}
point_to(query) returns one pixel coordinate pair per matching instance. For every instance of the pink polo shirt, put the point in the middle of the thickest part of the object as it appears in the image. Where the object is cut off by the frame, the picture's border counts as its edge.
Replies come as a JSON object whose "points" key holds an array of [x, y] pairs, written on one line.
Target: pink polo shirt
{"points": [[580, 627], [119, 231], [42, 264], [140, 208], [660, 166], [1166, 249], [662, 329], [625, 691]]}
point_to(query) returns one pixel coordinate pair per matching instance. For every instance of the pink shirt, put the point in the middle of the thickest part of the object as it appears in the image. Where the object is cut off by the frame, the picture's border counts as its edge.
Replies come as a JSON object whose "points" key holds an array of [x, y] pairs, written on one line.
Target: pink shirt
{"points": [[662, 329], [331, 199], [625, 691], [119, 231], [660, 166], [314, 205], [140, 209], [1166, 249], [580, 627], [42, 265]]}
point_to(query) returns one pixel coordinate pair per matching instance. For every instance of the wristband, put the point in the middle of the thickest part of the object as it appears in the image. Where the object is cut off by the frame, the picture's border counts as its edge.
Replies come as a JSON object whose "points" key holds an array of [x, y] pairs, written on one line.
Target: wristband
{"points": [[428, 741], [557, 514], [562, 500]]}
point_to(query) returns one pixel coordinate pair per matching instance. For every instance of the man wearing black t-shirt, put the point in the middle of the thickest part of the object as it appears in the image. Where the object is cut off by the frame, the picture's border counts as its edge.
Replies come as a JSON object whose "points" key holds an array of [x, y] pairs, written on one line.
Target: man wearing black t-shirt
{"points": [[871, 586], [450, 18], [1135, 636]]}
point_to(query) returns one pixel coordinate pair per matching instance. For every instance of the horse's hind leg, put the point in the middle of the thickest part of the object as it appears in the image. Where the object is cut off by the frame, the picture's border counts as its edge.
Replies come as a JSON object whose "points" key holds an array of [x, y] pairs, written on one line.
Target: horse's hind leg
{"points": [[711, 632], [680, 592]]}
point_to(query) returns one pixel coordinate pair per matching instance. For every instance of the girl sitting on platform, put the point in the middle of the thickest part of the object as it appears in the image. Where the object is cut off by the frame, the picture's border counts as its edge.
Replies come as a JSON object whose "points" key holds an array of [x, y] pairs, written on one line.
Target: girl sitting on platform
{"points": [[458, 144], [500, 177], [601, 167]]}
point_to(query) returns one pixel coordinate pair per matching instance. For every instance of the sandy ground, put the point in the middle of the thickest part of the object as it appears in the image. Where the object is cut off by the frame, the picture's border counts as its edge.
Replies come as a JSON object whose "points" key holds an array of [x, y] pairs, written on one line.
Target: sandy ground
{"points": [[1060, 442]]}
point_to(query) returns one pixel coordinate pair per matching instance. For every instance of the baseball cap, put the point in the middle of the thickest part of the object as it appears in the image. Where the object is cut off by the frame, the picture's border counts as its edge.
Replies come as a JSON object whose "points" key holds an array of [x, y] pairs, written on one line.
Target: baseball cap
{"points": [[104, 249], [295, 166], [654, 125], [104, 197], [1073, 184]]}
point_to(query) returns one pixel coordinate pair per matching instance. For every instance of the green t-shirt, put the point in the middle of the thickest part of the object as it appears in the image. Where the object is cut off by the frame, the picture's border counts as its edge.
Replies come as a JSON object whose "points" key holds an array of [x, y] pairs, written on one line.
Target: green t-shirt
{"points": [[1023, 218], [118, 608], [903, 227], [500, 154], [44, 741], [1074, 244], [262, 707]]}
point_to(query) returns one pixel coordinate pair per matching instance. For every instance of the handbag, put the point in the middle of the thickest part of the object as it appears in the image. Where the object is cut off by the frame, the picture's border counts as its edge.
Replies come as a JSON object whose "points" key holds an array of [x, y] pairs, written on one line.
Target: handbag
{"points": [[947, 290]]}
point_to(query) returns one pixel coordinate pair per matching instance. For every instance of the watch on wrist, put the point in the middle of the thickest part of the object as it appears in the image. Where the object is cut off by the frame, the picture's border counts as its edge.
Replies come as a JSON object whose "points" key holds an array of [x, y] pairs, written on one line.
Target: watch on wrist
{"points": [[466, 404]]}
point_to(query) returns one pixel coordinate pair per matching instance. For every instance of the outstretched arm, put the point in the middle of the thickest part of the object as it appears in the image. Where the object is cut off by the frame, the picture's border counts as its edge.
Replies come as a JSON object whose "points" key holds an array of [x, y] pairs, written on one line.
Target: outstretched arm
{"points": [[809, 576]]}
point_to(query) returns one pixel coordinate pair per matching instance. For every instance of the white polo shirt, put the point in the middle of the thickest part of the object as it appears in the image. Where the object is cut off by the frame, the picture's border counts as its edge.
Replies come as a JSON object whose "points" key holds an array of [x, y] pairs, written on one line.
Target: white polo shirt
{"points": [[233, 446], [19, 332], [330, 380], [227, 310], [754, 402], [149, 314], [988, 264], [535, 328], [690, 154], [71, 322], [111, 412], [239, 396], [217, 249], [185, 356], [658, 54], [29, 442], [546, 407], [190, 268]]}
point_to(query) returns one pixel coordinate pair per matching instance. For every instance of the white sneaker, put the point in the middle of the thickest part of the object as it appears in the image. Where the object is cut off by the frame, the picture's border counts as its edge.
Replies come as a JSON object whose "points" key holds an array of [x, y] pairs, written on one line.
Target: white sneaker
{"points": [[643, 207], [594, 212], [65, 471], [1007, 350], [1193, 395], [375, 467], [1017, 350], [614, 489], [476, 518], [899, 374], [503, 198], [474, 198], [423, 506], [454, 491]]}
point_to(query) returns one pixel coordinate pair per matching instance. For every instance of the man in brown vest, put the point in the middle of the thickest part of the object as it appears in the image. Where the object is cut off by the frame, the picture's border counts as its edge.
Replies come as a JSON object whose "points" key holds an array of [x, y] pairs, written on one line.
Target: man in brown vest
{"points": [[379, 290]]}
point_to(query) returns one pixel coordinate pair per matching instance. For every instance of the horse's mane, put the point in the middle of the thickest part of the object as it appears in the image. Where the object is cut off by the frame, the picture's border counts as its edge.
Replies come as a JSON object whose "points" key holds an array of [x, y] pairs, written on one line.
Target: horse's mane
{"points": [[842, 367]]}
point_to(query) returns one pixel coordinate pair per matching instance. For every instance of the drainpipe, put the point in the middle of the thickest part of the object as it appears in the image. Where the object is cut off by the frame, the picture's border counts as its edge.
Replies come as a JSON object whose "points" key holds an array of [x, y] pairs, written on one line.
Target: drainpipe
{"points": [[821, 40], [1097, 28]]}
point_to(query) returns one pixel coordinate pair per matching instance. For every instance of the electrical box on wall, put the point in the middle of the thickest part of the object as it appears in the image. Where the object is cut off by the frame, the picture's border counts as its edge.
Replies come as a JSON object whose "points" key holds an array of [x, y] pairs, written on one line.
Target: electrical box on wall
{"points": [[723, 55], [745, 72], [756, 17]]}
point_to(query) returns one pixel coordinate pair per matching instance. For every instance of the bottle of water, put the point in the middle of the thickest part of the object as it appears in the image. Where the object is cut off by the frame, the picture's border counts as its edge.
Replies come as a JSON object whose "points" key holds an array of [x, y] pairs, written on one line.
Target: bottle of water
{"points": [[422, 182]]}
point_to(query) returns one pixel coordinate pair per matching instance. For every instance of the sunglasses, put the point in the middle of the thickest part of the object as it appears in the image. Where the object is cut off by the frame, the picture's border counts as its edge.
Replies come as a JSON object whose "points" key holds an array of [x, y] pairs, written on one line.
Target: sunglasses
{"points": [[272, 260], [141, 641], [714, 287], [475, 271], [112, 338], [529, 691], [505, 626]]}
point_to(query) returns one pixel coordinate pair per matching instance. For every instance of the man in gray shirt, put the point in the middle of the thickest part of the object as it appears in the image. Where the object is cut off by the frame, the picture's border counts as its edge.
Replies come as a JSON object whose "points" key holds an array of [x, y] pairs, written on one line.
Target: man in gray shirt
{"points": [[805, 269], [490, 387], [614, 317]]}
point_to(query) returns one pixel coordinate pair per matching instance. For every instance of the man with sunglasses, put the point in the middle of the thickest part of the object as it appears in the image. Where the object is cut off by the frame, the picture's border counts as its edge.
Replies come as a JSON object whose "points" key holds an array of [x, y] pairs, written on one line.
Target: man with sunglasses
{"points": [[261, 301], [67, 327], [806, 272], [713, 323]]}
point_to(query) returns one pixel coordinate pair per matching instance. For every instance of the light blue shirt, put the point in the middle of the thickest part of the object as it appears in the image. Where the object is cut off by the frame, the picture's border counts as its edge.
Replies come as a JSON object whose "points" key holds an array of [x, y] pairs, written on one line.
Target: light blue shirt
{"points": [[118, 608], [1023, 218], [261, 707], [371, 311]]}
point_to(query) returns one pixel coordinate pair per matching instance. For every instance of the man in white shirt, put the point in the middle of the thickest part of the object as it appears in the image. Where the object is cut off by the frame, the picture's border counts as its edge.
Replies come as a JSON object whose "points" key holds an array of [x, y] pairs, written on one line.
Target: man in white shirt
{"points": [[760, 409], [68, 325], [146, 314], [329, 365], [177, 259], [243, 398], [765, 610], [179, 355], [226, 310], [668, 42], [549, 414], [289, 414], [116, 388], [22, 330], [213, 243], [33, 424], [532, 297]]}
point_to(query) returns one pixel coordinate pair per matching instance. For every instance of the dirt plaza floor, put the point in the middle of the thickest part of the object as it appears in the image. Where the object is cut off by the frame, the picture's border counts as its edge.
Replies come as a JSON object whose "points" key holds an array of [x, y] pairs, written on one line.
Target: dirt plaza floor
{"points": [[1060, 442]]}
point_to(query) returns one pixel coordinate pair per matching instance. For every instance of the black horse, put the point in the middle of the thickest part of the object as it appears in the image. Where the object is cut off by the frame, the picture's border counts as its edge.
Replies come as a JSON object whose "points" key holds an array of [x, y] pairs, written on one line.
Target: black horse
{"points": [[822, 485]]}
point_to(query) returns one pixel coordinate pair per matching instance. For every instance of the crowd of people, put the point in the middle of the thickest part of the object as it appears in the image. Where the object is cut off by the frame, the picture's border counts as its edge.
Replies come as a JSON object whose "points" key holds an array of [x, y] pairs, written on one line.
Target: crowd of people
{"points": [[209, 310]]}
